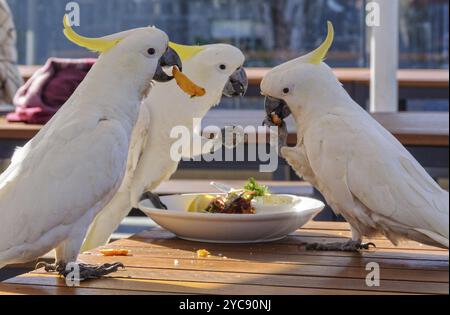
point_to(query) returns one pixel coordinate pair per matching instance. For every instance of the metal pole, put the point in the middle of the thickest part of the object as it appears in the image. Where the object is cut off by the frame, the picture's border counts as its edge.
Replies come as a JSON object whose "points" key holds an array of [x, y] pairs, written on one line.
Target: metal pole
{"points": [[30, 34], [384, 58]]}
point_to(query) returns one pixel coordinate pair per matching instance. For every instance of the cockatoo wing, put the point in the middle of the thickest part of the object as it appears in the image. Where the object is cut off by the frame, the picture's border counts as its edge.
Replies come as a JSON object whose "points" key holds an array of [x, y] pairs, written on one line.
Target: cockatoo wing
{"points": [[110, 217], [357, 160], [68, 175], [405, 192], [138, 140]]}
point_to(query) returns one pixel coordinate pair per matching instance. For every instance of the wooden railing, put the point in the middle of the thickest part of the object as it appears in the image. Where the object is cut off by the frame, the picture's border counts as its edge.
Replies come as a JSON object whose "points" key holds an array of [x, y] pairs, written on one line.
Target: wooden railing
{"points": [[419, 78]]}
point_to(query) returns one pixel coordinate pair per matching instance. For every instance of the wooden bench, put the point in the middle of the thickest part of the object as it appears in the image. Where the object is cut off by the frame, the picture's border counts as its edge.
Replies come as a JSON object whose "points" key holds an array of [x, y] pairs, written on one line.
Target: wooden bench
{"points": [[160, 263], [425, 134], [407, 78], [415, 78], [417, 84], [411, 128]]}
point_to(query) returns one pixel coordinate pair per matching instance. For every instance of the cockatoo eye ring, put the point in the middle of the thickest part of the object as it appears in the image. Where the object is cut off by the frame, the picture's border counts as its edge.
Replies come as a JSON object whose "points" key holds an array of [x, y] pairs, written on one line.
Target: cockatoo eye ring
{"points": [[151, 51], [286, 90]]}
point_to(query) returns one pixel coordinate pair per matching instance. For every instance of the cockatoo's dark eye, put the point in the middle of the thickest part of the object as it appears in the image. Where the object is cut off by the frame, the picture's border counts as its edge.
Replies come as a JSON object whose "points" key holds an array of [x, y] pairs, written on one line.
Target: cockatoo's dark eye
{"points": [[286, 90], [223, 67], [151, 51]]}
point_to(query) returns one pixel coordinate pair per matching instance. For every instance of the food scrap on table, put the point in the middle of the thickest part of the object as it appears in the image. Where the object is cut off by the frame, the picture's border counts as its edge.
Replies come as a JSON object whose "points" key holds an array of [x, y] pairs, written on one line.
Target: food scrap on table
{"points": [[203, 253], [114, 252], [186, 84]]}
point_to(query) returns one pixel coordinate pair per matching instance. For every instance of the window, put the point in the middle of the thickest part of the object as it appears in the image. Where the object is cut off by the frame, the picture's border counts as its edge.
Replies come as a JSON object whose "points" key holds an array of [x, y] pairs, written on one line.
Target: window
{"points": [[269, 31]]}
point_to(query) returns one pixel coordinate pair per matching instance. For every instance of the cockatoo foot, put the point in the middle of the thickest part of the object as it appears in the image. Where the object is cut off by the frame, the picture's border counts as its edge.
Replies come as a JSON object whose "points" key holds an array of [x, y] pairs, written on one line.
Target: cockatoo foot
{"points": [[86, 271], [154, 198], [350, 246], [50, 267]]}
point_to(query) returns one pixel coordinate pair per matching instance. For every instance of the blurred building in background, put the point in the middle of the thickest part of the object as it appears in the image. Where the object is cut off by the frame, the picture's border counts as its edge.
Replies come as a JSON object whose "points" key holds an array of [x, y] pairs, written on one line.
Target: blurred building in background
{"points": [[269, 31]]}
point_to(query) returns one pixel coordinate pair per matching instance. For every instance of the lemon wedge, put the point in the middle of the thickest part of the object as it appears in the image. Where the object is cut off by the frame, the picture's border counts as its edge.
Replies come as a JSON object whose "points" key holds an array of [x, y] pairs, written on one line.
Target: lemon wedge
{"points": [[200, 203]]}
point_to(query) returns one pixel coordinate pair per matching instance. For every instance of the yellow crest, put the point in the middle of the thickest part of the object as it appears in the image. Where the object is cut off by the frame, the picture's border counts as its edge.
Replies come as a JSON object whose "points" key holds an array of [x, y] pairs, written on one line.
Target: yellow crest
{"points": [[99, 45], [185, 52], [318, 55]]}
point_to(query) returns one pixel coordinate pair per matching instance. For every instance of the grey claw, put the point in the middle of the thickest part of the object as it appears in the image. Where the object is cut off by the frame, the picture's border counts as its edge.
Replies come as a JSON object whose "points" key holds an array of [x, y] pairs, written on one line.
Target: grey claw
{"points": [[154, 198], [350, 246], [368, 245], [89, 272], [40, 264], [47, 267]]}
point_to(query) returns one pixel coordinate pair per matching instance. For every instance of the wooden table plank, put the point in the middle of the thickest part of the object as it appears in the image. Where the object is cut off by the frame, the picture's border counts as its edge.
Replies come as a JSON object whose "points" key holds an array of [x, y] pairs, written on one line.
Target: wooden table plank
{"points": [[299, 257], [317, 266], [184, 287], [159, 262], [169, 241], [17, 131], [275, 280], [301, 237], [26, 289]]}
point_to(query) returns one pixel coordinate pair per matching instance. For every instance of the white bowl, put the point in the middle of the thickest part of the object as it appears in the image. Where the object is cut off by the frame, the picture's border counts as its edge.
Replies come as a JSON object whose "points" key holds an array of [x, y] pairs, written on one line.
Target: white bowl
{"points": [[229, 228], [261, 207]]}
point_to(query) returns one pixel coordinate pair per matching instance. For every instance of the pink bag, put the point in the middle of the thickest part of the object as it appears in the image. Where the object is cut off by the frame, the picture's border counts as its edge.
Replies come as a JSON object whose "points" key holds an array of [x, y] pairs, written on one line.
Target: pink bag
{"points": [[48, 89]]}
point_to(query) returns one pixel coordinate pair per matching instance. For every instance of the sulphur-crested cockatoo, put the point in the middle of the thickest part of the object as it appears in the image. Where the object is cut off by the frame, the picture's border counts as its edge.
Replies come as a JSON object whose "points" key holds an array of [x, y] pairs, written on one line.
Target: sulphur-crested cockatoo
{"points": [[218, 69], [61, 179], [364, 173]]}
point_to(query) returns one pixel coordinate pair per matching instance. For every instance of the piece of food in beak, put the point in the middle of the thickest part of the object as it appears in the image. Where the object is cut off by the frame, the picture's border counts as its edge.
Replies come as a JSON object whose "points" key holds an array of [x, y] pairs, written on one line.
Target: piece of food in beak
{"points": [[276, 119], [186, 84], [277, 110]]}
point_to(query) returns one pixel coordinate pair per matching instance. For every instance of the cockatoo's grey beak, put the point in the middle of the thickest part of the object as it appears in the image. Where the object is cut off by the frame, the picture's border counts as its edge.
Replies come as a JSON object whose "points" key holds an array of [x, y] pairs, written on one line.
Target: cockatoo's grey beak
{"points": [[277, 110], [169, 59], [237, 84]]}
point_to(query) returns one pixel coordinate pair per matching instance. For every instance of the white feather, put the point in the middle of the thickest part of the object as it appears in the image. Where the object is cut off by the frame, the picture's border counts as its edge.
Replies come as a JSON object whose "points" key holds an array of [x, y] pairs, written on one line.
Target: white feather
{"points": [[364, 173], [168, 107], [65, 175]]}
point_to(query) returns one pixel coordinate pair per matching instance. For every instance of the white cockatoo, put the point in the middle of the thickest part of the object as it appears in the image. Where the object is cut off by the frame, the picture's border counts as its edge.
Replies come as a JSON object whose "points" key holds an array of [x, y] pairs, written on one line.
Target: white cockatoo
{"points": [[59, 181], [218, 68], [364, 173]]}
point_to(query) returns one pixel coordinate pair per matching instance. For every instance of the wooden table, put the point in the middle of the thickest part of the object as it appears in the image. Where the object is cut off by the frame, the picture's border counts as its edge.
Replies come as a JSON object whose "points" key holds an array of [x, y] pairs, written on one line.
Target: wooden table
{"points": [[162, 264]]}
